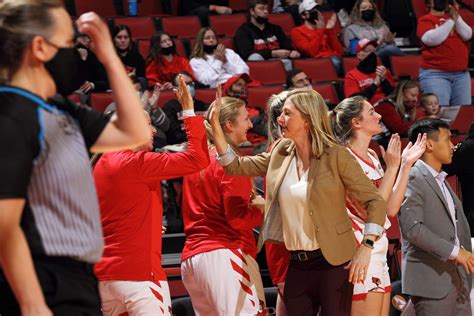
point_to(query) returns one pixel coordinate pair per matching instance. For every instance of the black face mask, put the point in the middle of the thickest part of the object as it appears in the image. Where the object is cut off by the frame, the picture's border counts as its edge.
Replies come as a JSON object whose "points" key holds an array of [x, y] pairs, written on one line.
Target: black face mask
{"points": [[368, 15], [67, 70], [261, 20], [168, 50], [209, 49], [369, 64], [439, 5], [313, 17]]}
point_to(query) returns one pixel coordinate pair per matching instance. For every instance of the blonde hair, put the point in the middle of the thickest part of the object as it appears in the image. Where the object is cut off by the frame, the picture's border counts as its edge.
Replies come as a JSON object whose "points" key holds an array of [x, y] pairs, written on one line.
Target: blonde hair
{"points": [[198, 49], [356, 16], [342, 115], [396, 97], [313, 108], [229, 111]]}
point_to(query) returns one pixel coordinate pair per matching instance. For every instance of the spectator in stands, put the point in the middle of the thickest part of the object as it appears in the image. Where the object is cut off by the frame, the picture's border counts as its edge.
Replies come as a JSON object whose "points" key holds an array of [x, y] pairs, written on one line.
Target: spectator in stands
{"points": [[366, 22], [296, 78], [130, 56], [128, 194], [218, 265], [203, 8], [257, 39], [367, 79], [50, 233], [430, 104], [96, 77], [400, 109], [163, 63], [445, 55], [316, 38], [213, 63], [237, 87], [173, 110], [463, 168]]}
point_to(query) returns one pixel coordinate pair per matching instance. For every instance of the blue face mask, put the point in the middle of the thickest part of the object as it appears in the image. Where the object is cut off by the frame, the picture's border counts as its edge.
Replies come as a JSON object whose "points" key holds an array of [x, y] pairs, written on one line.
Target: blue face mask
{"points": [[192, 90]]}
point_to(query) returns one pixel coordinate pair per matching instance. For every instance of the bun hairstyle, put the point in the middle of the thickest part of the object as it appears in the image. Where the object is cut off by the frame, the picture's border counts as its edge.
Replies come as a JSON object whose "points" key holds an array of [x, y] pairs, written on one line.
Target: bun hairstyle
{"points": [[20, 22], [229, 112], [342, 115]]}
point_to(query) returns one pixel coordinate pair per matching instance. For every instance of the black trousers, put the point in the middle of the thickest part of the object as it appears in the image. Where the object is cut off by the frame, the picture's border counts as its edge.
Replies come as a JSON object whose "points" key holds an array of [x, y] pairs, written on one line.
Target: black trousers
{"points": [[69, 286], [314, 285]]}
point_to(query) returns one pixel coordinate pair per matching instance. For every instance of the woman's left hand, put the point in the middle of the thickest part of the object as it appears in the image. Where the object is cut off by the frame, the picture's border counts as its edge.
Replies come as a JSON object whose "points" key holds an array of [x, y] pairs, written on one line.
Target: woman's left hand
{"points": [[411, 153], [392, 155], [359, 265]]}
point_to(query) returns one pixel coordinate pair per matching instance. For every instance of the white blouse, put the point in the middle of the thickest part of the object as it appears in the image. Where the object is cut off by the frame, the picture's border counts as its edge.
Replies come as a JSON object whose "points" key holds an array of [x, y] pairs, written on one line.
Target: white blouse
{"points": [[298, 229]]}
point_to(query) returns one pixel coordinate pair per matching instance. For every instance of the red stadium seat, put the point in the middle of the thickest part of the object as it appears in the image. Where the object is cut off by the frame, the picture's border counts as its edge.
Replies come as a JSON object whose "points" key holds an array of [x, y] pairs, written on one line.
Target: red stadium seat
{"points": [[101, 7], [141, 27], [144, 47], [419, 8], [180, 48], [408, 65], [226, 25], [284, 20], [206, 95], [165, 96], [349, 63], [101, 100], [465, 118], [239, 5], [147, 7], [258, 96], [181, 26], [318, 69], [328, 92], [267, 72]]}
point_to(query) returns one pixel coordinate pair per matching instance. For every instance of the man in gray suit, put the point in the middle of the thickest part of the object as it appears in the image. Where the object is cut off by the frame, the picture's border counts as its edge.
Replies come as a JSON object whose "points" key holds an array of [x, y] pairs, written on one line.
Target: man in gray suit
{"points": [[437, 258]]}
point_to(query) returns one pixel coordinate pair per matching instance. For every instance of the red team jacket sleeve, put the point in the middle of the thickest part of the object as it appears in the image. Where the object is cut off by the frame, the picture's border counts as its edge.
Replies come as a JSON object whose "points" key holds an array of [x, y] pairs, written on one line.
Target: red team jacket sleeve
{"points": [[166, 166], [424, 24], [392, 120], [236, 192]]}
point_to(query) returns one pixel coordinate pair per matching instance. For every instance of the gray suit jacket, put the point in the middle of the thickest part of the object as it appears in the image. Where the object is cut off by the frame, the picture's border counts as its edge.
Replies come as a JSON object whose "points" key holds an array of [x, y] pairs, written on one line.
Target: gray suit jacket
{"points": [[428, 237]]}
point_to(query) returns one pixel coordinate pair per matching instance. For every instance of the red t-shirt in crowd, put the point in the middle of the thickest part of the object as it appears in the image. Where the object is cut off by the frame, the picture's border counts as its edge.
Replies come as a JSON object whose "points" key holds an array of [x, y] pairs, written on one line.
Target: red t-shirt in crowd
{"points": [[317, 42], [451, 55], [164, 72], [356, 81], [217, 213], [128, 187]]}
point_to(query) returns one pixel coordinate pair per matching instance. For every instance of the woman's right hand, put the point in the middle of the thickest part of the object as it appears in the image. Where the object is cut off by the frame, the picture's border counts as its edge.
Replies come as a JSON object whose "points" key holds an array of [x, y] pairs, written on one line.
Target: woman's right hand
{"points": [[101, 41], [183, 95], [216, 110], [392, 155]]}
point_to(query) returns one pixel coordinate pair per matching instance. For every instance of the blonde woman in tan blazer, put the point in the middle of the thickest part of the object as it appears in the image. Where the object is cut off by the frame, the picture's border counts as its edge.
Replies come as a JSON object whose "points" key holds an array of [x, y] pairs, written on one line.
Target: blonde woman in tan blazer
{"points": [[307, 175]]}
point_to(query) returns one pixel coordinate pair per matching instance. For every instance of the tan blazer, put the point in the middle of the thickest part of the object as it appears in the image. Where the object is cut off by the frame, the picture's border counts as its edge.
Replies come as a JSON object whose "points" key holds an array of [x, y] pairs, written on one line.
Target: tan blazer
{"points": [[329, 177]]}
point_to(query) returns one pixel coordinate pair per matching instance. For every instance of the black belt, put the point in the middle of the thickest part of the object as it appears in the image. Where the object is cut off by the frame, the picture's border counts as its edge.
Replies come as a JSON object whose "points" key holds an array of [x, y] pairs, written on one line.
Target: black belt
{"points": [[301, 255]]}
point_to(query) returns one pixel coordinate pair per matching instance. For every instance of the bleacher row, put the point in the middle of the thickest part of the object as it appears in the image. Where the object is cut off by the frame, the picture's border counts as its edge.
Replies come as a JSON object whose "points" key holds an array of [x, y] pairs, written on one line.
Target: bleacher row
{"points": [[184, 29]]}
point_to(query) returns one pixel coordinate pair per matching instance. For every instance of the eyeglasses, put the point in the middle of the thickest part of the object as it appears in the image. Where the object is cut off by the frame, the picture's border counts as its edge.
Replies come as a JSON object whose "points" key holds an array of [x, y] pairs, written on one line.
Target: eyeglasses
{"points": [[71, 45]]}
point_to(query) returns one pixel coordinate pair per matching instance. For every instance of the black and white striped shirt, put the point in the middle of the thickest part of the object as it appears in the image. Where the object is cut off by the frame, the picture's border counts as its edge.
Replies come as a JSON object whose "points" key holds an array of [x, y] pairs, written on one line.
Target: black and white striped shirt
{"points": [[44, 159]]}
